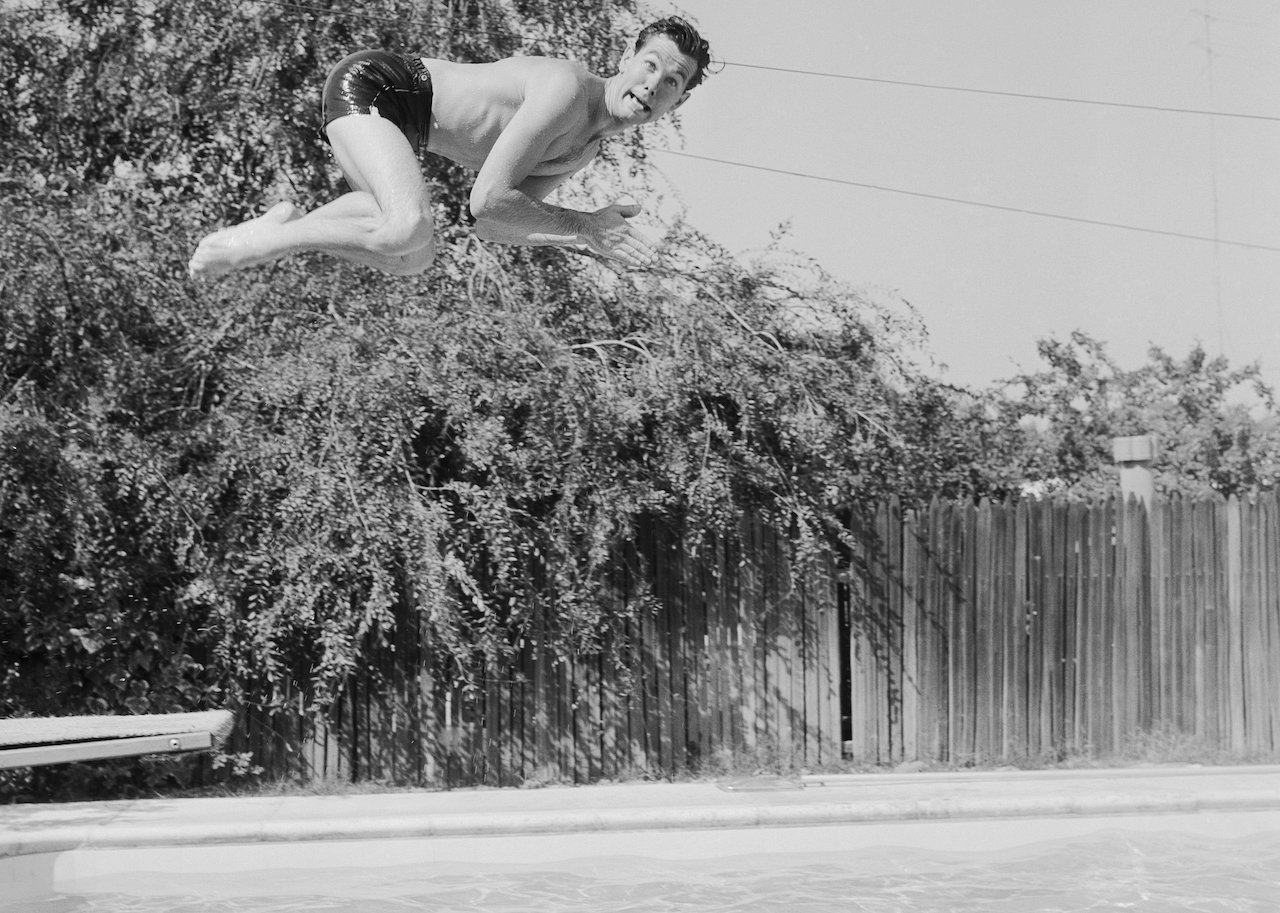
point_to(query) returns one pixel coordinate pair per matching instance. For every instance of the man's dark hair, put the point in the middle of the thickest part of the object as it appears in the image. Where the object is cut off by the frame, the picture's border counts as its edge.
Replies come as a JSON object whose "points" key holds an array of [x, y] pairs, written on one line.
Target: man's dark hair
{"points": [[686, 38]]}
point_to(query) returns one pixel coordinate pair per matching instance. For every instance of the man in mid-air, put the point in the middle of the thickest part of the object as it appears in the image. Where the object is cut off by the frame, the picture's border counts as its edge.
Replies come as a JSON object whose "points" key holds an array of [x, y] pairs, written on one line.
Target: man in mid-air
{"points": [[524, 124]]}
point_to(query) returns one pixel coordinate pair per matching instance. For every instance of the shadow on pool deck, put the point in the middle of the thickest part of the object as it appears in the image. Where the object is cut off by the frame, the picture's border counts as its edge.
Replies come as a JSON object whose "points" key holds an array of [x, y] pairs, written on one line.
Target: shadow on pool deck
{"points": [[814, 800]]}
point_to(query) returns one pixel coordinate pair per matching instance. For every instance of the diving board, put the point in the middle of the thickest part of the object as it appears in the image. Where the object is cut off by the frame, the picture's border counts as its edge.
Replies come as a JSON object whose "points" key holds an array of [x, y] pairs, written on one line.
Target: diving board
{"points": [[32, 741]]}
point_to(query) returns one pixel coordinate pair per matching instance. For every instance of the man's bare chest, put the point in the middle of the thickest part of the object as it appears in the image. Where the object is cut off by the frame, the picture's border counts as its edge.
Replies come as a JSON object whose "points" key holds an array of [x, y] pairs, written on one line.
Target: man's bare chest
{"points": [[570, 154]]}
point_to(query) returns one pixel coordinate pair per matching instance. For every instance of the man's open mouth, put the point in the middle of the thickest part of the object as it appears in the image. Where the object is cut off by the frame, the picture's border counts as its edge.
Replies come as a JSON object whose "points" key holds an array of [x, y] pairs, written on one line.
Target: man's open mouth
{"points": [[646, 108]]}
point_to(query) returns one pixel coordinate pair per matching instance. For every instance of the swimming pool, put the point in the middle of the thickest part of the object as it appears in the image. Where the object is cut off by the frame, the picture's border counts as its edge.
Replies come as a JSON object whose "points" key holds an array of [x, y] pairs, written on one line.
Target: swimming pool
{"points": [[945, 849]]}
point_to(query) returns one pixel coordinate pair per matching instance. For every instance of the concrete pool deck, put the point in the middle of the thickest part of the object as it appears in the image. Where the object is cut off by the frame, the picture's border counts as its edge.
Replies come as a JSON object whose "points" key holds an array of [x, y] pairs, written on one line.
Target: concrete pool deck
{"points": [[811, 801]]}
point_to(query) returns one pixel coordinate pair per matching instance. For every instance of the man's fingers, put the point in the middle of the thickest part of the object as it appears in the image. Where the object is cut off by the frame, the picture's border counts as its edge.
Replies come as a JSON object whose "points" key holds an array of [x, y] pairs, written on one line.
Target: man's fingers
{"points": [[644, 247], [636, 255], [632, 254], [623, 241]]}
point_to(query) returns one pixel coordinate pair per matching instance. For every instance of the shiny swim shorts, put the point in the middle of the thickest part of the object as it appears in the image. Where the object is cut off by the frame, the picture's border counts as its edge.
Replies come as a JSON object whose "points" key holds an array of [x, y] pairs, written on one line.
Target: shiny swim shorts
{"points": [[385, 85]]}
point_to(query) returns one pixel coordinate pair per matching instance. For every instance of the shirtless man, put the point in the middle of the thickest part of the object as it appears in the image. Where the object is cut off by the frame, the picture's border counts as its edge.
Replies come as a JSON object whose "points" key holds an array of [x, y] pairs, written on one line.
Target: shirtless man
{"points": [[525, 124]]}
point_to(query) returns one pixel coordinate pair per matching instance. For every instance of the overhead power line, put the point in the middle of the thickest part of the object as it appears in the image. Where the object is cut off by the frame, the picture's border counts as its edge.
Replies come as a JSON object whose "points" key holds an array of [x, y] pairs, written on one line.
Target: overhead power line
{"points": [[1029, 95], [303, 7], [964, 202]]}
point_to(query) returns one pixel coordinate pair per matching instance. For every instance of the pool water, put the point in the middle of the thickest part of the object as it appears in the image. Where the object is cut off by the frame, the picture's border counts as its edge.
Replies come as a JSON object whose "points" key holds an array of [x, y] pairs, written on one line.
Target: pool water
{"points": [[1142, 872]]}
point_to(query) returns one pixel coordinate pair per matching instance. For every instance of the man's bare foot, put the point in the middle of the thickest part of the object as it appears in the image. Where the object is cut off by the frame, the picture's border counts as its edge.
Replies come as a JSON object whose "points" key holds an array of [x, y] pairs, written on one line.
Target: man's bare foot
{"points": [[240, 245]]}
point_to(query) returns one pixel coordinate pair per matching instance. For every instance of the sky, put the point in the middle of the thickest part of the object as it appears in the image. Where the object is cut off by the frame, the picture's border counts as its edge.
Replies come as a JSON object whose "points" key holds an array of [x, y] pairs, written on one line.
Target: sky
{"points": [[989, 282]]}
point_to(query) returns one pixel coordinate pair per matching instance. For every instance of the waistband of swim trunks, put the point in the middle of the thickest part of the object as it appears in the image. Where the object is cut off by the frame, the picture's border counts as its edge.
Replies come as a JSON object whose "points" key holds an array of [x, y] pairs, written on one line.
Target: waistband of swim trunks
{"points": [[421, 74]]}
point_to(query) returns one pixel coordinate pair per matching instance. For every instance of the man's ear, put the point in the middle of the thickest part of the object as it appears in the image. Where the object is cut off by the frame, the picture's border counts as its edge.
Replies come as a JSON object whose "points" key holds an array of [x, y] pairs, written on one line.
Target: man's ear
{"points": [[683, 98]]}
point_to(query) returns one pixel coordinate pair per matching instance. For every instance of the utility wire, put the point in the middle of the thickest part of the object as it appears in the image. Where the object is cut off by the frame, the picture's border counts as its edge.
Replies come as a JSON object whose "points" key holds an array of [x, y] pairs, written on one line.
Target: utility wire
{"points": [[1029, 95], [304, 7], [311, 8], [947, 199]]}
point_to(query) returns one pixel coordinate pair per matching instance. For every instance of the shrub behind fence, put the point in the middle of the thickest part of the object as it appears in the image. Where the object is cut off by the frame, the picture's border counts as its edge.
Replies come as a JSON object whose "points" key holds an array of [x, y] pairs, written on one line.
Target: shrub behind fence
{"points": [[958, 633]]}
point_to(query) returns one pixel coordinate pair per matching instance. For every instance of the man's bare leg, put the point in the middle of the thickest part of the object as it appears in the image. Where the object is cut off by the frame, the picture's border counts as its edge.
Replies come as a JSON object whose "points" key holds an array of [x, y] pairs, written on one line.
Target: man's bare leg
{"points": [[265, 238], [385, 223]]}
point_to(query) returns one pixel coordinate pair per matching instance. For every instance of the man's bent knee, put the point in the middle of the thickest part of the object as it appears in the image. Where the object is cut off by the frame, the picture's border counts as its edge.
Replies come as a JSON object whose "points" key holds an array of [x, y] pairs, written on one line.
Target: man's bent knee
{"points": [[415, 262], [403, 234]]}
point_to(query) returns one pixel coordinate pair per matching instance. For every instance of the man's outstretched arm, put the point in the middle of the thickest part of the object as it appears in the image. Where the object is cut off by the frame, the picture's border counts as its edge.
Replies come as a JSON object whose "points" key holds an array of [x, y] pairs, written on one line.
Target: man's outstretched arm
{"points": [[604, 231], [507, 202]]}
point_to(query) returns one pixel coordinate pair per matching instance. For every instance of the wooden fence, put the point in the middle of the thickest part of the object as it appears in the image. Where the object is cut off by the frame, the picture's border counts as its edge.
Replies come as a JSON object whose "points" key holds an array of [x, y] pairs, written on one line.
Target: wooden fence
{"points": [[961, 633]]}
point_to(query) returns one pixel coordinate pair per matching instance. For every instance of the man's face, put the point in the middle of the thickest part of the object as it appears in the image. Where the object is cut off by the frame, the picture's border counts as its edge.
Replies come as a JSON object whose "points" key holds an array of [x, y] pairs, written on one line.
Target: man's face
{"points": [[653, 81]]}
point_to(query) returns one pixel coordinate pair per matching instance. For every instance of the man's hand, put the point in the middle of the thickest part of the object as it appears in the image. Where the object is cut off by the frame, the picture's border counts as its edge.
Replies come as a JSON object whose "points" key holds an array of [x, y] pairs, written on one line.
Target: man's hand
{"points": [[609, 234], [605, 232]]}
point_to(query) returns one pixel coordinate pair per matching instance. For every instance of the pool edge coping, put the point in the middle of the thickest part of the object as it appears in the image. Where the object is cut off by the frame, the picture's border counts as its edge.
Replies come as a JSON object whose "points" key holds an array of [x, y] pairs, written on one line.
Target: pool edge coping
{"points": [[116, 834]]}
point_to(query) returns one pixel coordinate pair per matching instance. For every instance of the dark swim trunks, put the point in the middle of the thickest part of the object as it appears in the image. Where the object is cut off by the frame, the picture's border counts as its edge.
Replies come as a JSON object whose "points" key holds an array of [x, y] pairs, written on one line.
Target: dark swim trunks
{"points": [[386, 85]]}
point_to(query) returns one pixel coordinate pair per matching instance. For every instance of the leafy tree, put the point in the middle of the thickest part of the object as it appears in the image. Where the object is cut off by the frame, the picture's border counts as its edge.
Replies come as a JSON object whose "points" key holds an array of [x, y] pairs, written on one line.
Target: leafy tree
{"points": [[1217, 425]]}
